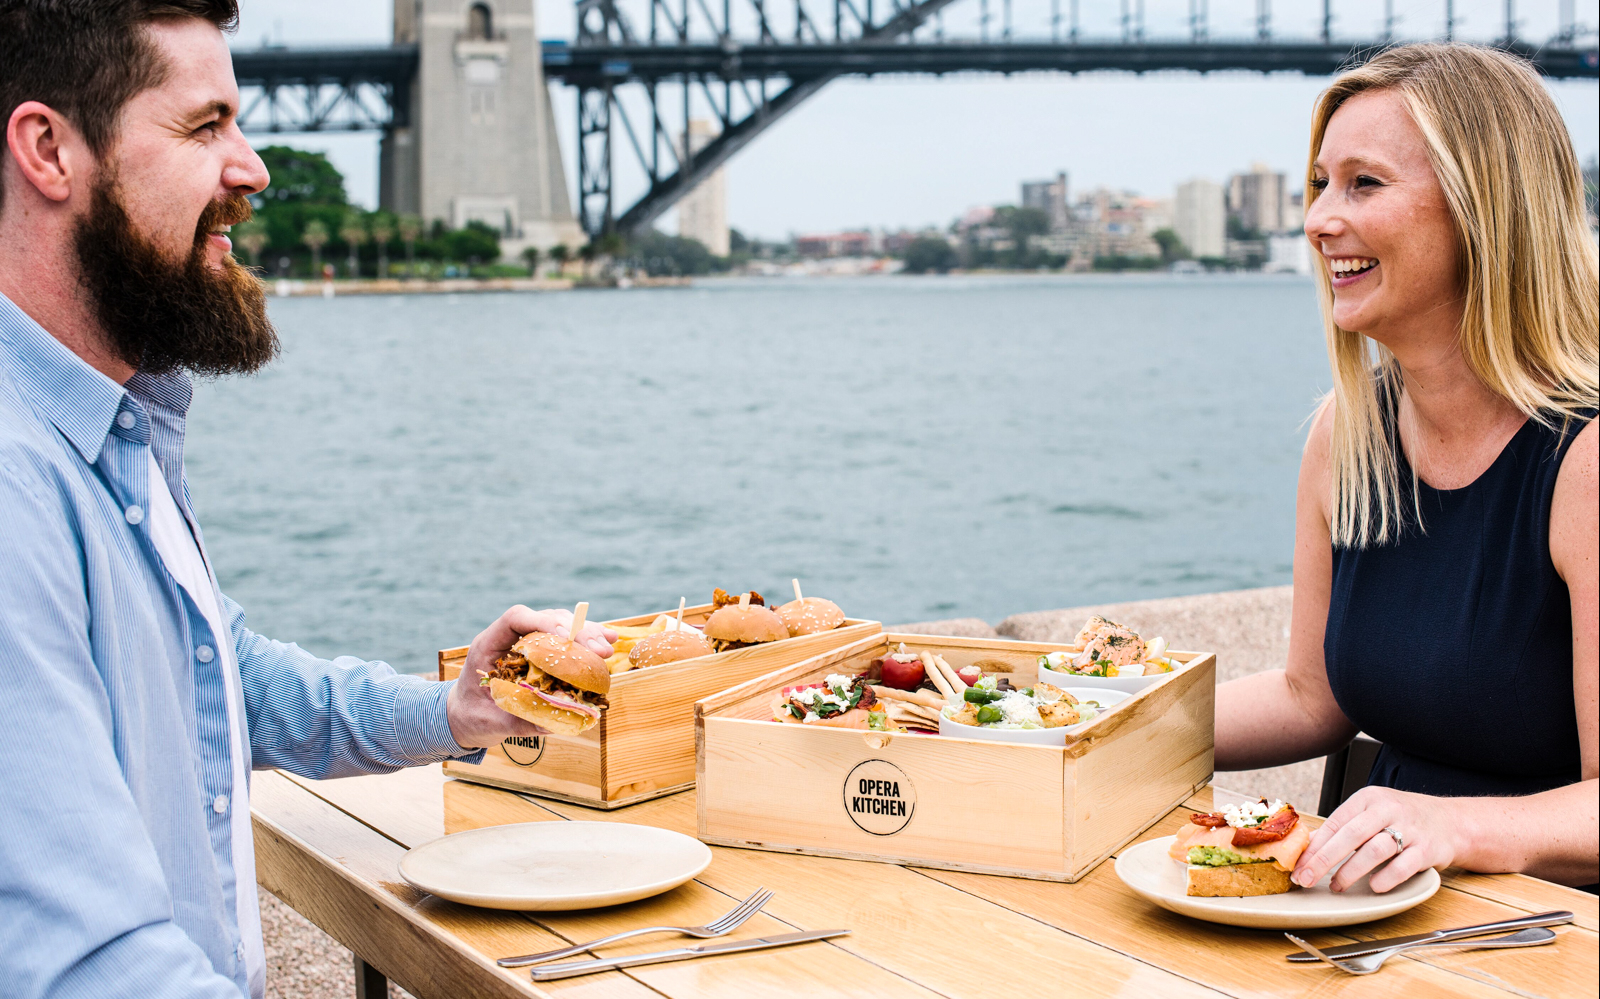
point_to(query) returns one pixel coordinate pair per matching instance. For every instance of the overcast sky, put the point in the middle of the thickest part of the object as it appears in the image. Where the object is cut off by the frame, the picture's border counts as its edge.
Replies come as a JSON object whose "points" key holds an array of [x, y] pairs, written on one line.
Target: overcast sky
{"points": [[908, 151]]}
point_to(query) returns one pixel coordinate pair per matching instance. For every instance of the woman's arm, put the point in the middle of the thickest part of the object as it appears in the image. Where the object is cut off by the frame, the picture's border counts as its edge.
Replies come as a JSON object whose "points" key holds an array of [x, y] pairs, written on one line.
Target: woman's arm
{"points": [[1551, 835], [1282, 716]]}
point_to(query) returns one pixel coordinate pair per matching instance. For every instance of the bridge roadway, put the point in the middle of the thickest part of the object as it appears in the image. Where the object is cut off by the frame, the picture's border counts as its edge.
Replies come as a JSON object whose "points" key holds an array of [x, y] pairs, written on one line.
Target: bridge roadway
{"points": [[589, 65]]}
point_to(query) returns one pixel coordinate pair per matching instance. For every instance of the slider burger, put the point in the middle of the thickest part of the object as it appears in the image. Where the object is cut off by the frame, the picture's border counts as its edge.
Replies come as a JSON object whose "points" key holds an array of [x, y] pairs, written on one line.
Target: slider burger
{"points": [[742, 621], [810, 616], [552, 682], [669, 647], [1242, 850]]}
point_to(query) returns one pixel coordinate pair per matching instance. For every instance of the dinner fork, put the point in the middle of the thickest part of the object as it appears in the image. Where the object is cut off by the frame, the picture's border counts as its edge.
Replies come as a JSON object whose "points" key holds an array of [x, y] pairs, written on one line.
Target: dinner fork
{"points": [[720, 926], [1366, 964]]}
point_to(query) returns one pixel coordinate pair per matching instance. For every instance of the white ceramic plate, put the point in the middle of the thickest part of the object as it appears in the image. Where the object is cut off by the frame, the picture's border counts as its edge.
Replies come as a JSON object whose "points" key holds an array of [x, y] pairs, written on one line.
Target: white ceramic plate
{"points": [[1107, 699], [555, 865], [1148, 870]]}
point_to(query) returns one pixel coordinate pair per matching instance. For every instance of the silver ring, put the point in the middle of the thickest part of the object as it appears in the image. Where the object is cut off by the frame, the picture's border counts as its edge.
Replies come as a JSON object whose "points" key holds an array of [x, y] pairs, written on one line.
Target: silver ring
{"points": [[1399, 841]]}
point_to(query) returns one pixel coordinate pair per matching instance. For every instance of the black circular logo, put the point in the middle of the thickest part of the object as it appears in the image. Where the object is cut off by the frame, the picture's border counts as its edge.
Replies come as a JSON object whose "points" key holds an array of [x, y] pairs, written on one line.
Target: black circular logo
{"points": [[879, 797], [523, 750]]}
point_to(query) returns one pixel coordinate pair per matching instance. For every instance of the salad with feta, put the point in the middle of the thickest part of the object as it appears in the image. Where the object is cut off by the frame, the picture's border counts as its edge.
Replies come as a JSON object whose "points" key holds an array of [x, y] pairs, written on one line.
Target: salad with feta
{"points": [[1043, 705]]}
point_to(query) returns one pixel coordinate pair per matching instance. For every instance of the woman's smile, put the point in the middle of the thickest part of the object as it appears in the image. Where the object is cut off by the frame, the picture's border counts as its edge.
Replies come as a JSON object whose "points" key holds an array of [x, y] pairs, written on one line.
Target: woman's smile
{"points": [[1346, 271]]}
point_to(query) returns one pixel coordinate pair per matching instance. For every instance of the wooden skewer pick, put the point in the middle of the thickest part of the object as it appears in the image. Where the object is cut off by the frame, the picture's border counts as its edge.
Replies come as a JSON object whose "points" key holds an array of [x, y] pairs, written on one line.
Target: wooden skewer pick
{"points": [[798, 598], [579, 614], [681, 602], [744, 599]]}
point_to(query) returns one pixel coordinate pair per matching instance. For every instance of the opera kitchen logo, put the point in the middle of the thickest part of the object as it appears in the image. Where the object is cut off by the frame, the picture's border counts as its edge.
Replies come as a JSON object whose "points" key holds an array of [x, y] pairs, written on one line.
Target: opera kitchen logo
{"points": [[879, 797], [523, 750]]}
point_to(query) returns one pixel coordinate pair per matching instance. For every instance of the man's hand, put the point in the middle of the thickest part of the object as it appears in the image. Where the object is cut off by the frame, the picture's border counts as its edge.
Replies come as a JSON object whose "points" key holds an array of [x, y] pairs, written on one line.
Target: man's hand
{"points": [[475, 720]]}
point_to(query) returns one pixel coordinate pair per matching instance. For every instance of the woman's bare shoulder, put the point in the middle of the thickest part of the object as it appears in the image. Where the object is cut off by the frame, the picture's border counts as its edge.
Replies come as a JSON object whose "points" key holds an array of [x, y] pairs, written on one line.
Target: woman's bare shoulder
{"points": [[1573, 507]]}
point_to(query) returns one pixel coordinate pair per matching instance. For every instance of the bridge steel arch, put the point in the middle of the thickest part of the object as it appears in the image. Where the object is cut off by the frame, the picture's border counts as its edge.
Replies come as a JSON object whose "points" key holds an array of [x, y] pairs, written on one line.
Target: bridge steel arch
{"points": [[750, 62]]}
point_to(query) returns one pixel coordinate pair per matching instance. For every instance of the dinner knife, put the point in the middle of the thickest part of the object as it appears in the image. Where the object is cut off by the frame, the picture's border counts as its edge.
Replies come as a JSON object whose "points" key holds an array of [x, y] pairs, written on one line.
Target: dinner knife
{"points": [[1464, 933], [571, 969]]}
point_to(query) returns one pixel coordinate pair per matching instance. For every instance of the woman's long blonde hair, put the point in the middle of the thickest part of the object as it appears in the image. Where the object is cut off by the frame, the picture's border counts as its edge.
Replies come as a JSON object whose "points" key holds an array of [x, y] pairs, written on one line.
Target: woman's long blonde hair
{"points": [[1529, 275]]}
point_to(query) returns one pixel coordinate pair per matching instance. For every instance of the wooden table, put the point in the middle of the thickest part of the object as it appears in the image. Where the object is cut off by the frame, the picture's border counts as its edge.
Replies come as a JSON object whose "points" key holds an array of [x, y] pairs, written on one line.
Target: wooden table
{"points": [[330, 848]]}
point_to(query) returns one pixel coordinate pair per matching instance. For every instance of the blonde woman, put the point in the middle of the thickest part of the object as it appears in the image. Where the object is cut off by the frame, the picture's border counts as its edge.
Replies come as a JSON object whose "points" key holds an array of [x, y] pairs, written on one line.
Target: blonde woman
{"points": [[1445, 551]]}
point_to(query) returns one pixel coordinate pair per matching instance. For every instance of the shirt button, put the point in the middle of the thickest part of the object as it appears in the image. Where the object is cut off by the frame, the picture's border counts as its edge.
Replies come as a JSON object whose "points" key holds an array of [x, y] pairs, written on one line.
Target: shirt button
{"points": [[126, 420], [204, 653], [135, 514], [239, 950], [219, 804]]}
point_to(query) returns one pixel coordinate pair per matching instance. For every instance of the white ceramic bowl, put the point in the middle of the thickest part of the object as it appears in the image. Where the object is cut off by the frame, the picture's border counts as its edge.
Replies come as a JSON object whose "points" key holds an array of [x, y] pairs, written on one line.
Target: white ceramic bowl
{"points": [[1107, 699], [1126, 684]]}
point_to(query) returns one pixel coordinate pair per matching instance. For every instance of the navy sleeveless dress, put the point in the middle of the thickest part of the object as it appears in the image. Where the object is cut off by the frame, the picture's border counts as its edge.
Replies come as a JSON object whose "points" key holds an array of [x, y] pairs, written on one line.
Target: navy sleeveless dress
{"points": [[1453, 644]]}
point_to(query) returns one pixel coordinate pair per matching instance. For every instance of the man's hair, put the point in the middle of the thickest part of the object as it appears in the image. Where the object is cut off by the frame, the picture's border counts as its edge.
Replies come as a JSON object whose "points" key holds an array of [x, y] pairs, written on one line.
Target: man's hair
{"points": [[87, 58]]}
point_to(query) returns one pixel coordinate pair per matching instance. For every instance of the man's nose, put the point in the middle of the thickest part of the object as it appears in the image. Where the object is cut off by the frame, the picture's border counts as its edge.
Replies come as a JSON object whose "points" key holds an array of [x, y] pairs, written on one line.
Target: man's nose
{"points": [[244, 172]]}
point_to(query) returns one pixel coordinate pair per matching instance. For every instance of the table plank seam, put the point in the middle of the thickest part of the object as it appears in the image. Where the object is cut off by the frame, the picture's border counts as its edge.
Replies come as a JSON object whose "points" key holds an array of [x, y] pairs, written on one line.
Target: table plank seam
{"points": [[309, 784], [1076, 936]]}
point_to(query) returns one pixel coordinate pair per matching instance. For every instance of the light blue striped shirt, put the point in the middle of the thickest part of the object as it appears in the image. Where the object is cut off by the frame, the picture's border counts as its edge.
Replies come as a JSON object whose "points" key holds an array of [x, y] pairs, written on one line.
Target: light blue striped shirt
{"points": [[117, 875]]}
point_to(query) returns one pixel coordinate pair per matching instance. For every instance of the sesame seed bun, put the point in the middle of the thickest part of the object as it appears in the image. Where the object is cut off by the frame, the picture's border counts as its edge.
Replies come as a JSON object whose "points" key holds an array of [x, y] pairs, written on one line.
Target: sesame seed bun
{"points": [[669, 647], [811, 616], [747, 625], [565, 660]]}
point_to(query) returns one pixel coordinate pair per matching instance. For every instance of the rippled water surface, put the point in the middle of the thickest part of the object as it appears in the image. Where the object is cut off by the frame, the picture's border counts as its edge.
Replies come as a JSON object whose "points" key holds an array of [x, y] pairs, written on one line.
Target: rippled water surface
{"points": [[912, 448]]}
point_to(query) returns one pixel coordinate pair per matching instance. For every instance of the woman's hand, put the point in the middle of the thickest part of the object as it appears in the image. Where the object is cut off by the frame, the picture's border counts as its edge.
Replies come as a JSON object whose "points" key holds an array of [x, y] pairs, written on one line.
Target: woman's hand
{"points": [[475, 720], [1358, 828]]}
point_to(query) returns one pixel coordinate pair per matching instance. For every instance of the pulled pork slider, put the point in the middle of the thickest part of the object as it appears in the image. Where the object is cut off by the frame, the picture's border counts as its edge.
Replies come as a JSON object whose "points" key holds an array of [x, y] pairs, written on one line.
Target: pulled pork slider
{"points": [[669, 647], [737, 625], [554, 683], [811, 616]]}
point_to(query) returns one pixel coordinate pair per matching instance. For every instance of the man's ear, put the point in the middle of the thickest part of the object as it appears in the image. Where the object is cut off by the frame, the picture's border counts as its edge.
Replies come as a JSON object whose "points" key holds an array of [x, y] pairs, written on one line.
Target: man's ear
{"points": [[46, 150]]}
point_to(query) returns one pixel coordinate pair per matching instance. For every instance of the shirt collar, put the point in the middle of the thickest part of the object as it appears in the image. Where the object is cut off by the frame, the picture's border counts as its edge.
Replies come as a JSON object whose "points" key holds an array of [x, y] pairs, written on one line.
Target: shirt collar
{"points": [[66, 390]]}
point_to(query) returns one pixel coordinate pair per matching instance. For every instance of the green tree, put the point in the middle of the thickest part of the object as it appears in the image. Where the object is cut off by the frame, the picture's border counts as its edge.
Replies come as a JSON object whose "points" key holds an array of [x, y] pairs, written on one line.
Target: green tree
{"points": [[475, 244], [560, 254], [252, 235], [410, 227], [315, 236], [660, 255], [1171, 244], [353, 230], [930, 253], [530, 256], [381, 224], [304, 186]]}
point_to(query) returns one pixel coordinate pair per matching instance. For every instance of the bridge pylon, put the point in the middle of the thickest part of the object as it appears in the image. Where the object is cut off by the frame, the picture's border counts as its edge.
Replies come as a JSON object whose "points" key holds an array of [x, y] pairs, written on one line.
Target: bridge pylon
{"points": [[480, 141]]}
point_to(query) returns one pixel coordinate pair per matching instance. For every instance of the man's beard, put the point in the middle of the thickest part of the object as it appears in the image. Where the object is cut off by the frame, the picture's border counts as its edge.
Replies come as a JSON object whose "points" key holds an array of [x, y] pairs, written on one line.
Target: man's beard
{"points": [[159, 315]]}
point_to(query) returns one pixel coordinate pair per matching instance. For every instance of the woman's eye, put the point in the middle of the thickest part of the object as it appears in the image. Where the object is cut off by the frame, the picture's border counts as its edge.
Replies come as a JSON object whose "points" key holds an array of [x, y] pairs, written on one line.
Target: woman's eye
{"points": [[1365, 181], [1319, 184]]}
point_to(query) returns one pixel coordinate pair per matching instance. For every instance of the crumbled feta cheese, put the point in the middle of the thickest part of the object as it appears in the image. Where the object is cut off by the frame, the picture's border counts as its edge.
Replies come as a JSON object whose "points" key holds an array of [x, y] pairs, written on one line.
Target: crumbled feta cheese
{"points": [[1251, 814]]}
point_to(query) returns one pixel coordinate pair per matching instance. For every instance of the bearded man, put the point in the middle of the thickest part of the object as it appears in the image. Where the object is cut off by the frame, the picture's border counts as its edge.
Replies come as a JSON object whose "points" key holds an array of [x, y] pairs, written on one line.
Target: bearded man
{"points": [[133, 699]]}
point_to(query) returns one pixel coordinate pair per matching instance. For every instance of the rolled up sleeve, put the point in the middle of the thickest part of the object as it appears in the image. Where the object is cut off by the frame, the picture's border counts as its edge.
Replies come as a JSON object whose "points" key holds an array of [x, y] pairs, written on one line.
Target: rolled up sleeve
{"points": [[337, 718]]}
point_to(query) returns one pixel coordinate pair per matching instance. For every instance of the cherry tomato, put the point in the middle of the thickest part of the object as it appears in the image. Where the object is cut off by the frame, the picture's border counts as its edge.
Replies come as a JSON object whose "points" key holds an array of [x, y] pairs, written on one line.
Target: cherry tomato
{"points": [[970, 675], [902, 676]]}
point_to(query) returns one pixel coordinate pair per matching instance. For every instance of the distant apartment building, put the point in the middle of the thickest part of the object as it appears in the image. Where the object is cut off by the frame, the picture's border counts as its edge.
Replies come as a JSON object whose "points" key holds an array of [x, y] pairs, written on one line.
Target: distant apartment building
{"points": [[1050, 197], [1199, 217], [1117, 224], [836, 244], [703, 212], [1259, 200]]}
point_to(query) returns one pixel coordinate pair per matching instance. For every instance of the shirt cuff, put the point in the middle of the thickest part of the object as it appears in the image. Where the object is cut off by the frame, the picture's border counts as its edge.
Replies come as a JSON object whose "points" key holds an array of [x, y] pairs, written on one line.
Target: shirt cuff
{"points": [[422, 724]]}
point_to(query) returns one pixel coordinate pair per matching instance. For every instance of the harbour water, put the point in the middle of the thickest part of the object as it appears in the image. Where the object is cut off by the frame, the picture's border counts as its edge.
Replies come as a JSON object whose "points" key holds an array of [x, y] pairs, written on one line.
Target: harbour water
{"points": [[912, 448]]}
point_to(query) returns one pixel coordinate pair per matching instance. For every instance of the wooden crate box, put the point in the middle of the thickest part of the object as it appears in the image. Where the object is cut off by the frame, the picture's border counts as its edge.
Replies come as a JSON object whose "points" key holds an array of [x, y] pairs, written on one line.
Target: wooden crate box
{"points": [[1044, 812], [644, 745]]}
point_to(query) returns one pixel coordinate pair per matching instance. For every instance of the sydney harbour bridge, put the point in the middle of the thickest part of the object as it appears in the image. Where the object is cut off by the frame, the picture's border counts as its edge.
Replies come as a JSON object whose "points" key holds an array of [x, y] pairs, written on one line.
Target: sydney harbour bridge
{"points": [[461, 96]]}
